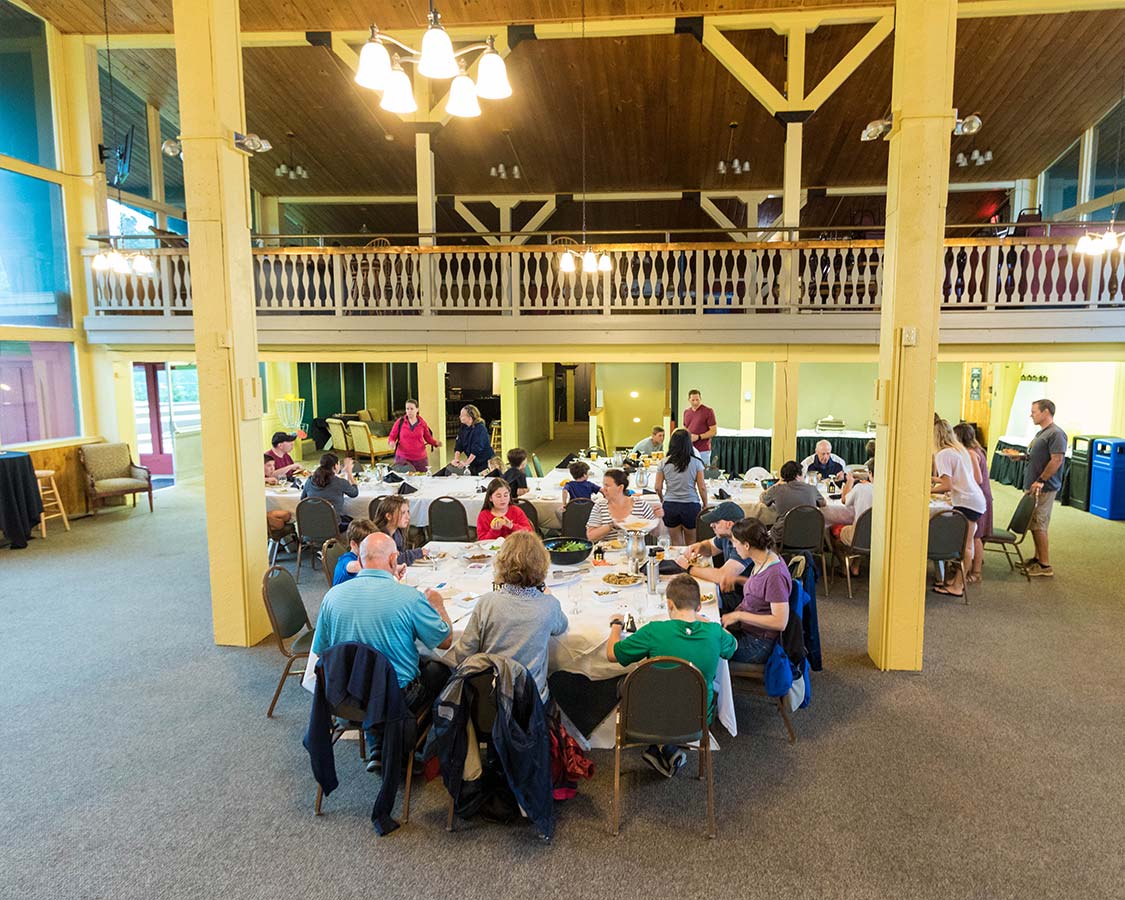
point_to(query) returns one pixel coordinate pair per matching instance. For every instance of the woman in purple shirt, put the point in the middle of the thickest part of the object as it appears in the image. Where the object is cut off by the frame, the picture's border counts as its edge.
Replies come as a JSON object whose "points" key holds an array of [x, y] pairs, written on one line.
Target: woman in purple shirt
{"points": [[764, 611]]}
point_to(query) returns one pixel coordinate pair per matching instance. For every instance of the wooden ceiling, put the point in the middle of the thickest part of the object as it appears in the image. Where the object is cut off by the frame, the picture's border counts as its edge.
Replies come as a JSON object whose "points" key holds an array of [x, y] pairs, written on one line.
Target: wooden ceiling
{"points": [[656, 107], [154, 16]]}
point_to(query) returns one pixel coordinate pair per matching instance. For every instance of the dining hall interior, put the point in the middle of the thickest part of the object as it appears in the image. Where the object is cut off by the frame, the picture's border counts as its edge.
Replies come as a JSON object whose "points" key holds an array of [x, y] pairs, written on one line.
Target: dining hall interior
{"points": [[534, 436]]}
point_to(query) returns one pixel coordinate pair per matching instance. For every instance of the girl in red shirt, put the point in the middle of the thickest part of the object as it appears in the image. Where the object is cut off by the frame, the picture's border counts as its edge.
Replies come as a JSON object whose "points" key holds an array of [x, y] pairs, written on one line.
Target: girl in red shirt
{"points": [[409, 438], [498, 517]]}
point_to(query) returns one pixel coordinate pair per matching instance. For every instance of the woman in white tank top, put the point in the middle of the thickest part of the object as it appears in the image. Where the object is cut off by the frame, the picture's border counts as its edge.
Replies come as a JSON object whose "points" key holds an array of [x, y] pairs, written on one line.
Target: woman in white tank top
{"points": [[955, 473]]}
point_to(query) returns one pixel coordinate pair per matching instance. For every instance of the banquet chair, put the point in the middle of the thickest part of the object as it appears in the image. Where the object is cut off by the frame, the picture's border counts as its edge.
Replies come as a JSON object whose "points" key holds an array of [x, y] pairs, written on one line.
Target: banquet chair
{"points": [[712, 472], [483, 711], [531, 512], [664, 701], [703, 530], [330, 554], [754, 674], [316, 522], [946, 543], [757, 473], [341, 443], [1014, 534], [350, 718], [110, 473], [449, 520], [536, 465], [859, 548], [803, 532], [288, 617], [575, 516]]}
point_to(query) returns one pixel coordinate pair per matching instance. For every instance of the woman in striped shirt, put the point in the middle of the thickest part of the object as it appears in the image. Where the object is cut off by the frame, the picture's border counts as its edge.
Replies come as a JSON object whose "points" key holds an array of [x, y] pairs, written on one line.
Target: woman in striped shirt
{"points": [[614, 507]]}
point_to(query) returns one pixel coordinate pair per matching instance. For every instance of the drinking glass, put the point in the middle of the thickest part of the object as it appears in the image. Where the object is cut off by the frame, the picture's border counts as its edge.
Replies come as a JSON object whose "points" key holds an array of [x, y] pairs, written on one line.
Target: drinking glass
{"points": [[664, 542]]}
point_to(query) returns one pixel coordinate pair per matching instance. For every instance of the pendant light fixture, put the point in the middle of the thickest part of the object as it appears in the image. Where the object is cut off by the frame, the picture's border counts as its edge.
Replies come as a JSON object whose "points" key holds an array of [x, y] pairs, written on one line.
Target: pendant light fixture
{"points": [[379, 70], [291, 170], [732, 163], [591, 262]]}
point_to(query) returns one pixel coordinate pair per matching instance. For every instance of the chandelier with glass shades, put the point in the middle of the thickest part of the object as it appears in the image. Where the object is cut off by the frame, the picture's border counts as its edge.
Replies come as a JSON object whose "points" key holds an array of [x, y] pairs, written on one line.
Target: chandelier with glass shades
{"points": [[381, 70], [122, 264]]}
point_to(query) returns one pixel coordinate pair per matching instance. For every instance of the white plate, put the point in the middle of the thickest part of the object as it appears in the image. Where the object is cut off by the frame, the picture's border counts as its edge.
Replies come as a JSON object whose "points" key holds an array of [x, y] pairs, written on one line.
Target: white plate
{"points": [[604, 586], [556, 579]]}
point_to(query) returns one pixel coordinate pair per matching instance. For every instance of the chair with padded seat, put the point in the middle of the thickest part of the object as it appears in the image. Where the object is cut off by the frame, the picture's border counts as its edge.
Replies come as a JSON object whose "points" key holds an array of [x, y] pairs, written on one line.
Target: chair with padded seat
{"points": [[449, 520], [531, 512], [110, 472], [946, 543], [803, 532], [341, 442], [703, 530], [330, 554], [362, 441], [743, 675], [52, 501], [1014, 534], [575, 515], [536, 465], [289, 619], [859, 548], [757, 473], [664, 701], [316, 522]]}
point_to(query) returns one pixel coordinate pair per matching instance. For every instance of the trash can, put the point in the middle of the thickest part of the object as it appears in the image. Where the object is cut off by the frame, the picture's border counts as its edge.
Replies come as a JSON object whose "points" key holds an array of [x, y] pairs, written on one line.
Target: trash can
{"points": [[1078, 470], [1107, 478]]}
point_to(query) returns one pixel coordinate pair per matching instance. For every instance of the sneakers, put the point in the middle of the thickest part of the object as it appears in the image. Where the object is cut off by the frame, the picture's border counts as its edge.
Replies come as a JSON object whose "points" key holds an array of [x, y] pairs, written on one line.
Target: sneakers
{"points": [[666, 766], [1027, 563], [1038, 569]]}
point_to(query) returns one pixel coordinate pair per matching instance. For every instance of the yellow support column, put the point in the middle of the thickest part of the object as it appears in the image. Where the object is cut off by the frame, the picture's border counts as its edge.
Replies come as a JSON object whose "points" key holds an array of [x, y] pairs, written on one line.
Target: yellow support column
{"points": [[917, 182], [216, 181], [784, 442], [431, 396], [509, 412]]}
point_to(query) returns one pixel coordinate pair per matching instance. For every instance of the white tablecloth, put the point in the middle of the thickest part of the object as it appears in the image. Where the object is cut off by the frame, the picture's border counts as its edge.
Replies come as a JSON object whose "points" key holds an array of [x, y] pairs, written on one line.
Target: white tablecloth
{"points": [[581, 649]]}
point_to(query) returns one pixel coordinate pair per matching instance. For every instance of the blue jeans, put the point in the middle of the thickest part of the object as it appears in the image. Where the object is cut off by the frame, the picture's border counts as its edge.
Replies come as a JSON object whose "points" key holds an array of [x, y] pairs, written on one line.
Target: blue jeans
{"points": [[752, 648]]}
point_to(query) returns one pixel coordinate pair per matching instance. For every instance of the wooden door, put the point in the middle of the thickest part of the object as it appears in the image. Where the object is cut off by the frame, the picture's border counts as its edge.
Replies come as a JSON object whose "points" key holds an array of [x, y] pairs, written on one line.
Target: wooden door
{"points": [[976, 397]]}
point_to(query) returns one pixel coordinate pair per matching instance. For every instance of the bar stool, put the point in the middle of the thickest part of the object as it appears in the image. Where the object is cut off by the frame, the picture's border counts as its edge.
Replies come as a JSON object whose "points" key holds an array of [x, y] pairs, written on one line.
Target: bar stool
{"points": [[52, 502], [497, 442]]}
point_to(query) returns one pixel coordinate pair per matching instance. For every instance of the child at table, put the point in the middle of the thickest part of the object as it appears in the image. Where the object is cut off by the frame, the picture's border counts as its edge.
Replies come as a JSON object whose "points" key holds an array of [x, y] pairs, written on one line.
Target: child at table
{"points": [[581, 486], [516, 476], [499, 517], [685, 634], [347, 566]]}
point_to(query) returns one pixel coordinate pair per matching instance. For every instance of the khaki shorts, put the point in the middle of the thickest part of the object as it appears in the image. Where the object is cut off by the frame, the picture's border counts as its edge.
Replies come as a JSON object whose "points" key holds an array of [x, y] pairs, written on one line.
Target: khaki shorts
{"points": [[1041, 517]]}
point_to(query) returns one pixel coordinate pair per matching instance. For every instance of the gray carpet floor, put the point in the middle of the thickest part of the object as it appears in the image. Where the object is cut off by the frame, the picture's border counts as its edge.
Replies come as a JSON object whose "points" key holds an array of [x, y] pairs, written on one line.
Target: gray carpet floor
{"points": [[138, 761]]}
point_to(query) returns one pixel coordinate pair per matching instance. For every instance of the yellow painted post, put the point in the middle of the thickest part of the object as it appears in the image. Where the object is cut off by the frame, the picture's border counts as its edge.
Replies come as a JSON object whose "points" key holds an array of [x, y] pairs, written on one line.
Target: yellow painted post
{"points": [[431, 396], [748, 383], [509, 406], [784, 441], [269, 216], [570, 395], [917, 182], [216, 181]]}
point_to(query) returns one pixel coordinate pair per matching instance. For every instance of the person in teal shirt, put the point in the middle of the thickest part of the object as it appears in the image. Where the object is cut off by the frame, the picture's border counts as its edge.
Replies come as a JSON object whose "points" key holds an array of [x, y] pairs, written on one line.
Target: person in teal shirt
{"points": [[375, 609], [685, 635]]}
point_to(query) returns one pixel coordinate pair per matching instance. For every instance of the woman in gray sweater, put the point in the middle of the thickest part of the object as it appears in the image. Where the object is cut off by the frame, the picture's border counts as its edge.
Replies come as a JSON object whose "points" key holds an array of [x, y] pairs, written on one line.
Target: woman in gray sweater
{"points": [[789, 493], [518, 618]]}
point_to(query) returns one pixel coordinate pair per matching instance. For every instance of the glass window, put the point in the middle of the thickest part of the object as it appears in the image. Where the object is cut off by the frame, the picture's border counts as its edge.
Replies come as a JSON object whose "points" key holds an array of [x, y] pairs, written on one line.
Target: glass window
{"points": [[1061, 183], [26, 124], [122, 110], [185, 397], [38, 391], [177, 225], [1109, 162], [126, 219], [34, 282]]}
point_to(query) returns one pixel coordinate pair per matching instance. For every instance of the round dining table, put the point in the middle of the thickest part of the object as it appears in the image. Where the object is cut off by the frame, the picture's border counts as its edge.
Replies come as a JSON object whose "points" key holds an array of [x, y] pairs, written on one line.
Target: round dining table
{"points": [[20, 502]]}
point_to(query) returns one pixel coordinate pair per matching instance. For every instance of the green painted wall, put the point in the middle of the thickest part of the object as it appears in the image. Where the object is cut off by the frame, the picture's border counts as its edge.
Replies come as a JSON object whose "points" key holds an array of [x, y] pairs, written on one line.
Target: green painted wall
{"points": [[720, 384], [763, 385], [616, 381], [847, 391]]}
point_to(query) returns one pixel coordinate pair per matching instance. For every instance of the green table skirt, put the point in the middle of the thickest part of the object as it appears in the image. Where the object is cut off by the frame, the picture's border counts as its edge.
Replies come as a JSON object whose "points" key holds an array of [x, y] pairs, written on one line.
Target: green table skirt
{"points": [[737, 453], [1011, 471]]}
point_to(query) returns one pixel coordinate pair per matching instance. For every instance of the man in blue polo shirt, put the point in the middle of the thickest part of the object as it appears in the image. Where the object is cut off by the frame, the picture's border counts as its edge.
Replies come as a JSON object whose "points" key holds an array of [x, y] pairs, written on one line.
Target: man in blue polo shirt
{"points": [[731, 575], [375, 609]]}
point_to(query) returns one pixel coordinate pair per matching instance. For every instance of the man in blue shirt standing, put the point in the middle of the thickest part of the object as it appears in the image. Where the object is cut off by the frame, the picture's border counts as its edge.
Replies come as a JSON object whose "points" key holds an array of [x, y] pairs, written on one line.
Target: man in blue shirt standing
{"points": [[375, 609]]}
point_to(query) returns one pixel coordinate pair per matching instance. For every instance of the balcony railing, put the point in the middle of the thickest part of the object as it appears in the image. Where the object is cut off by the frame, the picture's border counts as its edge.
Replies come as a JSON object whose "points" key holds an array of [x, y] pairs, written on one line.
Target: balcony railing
{"points": [[678, 279]]}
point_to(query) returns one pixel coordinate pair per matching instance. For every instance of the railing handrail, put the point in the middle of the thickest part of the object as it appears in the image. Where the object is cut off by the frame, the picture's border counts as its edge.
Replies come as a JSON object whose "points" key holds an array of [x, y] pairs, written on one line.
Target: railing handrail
{"points": [[406, 249]]}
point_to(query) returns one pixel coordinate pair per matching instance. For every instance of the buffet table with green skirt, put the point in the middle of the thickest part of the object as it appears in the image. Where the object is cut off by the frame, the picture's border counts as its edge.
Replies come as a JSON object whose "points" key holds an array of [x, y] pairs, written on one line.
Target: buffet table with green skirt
{"points": [[1007, 470]]}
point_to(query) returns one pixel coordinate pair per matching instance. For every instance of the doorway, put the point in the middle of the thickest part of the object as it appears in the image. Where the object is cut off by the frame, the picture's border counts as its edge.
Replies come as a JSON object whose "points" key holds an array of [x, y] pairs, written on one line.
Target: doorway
{"points": [[153, 415]]}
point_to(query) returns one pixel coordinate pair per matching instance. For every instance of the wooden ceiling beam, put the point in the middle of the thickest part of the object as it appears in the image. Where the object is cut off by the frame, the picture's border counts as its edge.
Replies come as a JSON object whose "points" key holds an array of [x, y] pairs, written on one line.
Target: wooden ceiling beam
{"points": [[476, 224], [987, 9], [744, 71], [852, 60], [537, 221], [721, 219]]}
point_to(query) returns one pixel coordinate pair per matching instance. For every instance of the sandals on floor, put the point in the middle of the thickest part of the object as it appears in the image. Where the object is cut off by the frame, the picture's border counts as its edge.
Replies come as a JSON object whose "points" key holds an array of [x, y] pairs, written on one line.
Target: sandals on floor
{"points": [[945, 593]]}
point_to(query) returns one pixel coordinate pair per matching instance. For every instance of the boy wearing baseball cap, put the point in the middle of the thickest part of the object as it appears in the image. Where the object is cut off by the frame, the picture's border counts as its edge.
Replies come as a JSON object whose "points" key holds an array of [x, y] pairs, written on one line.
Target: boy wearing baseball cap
{"points": [[731, 575]]}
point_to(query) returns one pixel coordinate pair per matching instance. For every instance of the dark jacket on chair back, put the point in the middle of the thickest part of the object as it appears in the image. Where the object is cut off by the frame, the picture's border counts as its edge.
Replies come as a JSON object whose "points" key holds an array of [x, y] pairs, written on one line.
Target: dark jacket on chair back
{"points": [[520, 737], [353, 674]]}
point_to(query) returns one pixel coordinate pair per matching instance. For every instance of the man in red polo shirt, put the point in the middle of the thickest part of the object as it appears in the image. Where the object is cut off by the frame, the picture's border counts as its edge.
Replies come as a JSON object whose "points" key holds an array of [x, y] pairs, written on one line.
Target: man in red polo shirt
{"points": [[700, 421]]}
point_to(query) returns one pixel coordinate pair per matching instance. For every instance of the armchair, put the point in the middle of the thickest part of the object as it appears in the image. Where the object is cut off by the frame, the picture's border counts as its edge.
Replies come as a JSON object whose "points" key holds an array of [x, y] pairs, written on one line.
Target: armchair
{"points": [[110, 472]]}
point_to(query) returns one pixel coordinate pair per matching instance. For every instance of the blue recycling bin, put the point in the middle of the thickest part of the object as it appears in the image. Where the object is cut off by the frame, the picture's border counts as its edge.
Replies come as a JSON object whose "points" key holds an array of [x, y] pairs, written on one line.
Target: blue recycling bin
{"points": [[1107, 478]]}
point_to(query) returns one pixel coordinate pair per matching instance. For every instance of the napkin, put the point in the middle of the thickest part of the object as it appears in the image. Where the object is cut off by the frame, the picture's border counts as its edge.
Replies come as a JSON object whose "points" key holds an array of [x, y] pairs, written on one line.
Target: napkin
{"points": [[443, 472], [721, 494], [647, 491], [392, 478], [406, 489], [567, 460], [670, 567]]}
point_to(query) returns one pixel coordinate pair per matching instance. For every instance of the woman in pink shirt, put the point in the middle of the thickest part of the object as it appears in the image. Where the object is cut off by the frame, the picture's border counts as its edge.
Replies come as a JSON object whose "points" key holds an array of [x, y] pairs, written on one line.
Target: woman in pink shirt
{"points": [[498, 517], [409, 438]]}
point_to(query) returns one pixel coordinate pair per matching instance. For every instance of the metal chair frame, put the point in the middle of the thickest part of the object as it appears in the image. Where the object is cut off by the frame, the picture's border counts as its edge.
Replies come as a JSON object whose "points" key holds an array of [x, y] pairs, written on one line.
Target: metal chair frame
{"points": [[1018, 527], [316, 540], [947, 554], [442, 504], [636, 676], [856, 550], [572, 512], [286, 651], [820, 548], [330, 552]]}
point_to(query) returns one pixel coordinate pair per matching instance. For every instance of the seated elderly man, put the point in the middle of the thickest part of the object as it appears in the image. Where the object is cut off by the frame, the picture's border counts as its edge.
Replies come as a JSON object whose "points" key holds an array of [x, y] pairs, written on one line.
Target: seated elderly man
{"points": [[824, 462], [375, 609]]}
